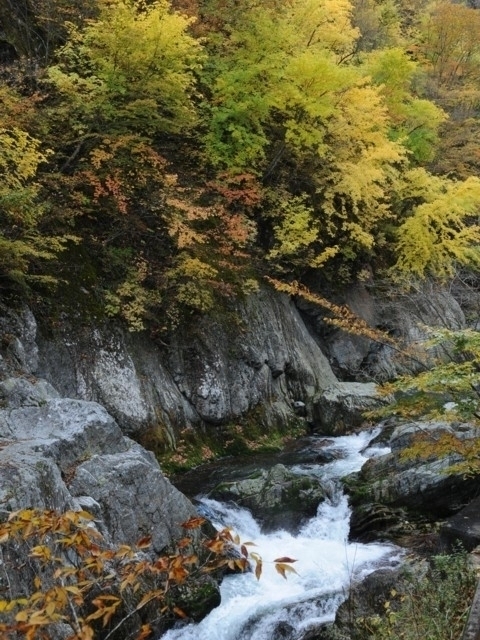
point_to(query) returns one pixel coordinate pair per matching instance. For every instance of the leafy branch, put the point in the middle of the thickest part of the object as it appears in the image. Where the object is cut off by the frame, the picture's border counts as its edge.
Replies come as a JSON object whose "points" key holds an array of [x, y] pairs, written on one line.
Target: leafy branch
{"points": [[77, 579]]}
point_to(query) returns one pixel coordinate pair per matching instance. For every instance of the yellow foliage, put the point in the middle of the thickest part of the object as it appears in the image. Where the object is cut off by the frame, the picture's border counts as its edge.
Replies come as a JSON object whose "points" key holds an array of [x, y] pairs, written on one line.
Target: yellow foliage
{"points": [[133, 65], [132, 300], [447, 445], [20, 156], [324, 24], [361, 169], [21, 210], [441, 233]]}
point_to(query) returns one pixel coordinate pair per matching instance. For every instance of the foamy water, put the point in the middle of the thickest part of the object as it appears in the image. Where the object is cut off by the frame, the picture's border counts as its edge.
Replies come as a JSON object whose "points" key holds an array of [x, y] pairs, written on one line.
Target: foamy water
{"points": [[326, 563]]}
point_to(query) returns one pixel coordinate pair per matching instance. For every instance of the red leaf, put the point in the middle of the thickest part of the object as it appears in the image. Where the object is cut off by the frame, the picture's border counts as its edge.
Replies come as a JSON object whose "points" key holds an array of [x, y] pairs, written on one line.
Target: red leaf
{"points": [[144, 542], [193, 523], [284, 559]]}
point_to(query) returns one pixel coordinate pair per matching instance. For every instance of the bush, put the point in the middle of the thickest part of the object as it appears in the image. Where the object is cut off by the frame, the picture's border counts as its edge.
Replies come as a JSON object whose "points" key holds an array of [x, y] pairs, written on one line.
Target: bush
{"points": [[434, 607]]}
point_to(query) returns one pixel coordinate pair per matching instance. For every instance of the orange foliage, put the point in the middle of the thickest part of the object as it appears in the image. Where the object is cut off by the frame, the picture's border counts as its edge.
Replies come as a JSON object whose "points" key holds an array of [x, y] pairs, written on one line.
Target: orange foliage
{"points": [[243, 189], [77, 579]]}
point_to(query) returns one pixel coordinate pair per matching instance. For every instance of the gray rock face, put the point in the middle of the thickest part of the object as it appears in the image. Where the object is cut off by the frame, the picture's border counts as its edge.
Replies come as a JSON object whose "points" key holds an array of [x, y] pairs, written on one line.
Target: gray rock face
{"points": [[279, 498], [18, 347], [69, 454], [403, 316], [216, 372], [418, 483], [62, 454], [464, 526], [124, 372]]}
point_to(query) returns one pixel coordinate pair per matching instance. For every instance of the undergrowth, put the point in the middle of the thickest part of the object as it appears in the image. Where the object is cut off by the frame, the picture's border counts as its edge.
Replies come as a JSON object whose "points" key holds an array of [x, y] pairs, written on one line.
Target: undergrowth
{"points": [[434, 607], [194, 448]]}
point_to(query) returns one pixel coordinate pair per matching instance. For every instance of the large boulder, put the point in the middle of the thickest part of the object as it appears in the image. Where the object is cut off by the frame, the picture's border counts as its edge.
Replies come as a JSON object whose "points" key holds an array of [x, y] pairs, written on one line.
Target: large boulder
{"points": [[366, 600], [70, 455], [419, 483], [66, 454], [341, 408], [394, 492], [279, 498], [463, 527]]}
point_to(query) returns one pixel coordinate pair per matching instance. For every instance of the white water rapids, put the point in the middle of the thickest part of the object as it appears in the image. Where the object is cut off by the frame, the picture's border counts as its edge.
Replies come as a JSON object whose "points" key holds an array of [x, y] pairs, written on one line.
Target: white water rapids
{"points": [[326, 562]]}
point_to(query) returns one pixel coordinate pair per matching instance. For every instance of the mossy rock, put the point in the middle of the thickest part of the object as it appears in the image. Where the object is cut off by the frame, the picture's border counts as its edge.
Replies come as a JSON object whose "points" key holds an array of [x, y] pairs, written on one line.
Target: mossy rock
{"points": [[197, 598], [278, 498]]}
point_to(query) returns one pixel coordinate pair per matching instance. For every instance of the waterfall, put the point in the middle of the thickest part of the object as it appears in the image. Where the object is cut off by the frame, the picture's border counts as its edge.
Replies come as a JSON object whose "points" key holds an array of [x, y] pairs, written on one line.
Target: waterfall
{"points": [[327, 564]]}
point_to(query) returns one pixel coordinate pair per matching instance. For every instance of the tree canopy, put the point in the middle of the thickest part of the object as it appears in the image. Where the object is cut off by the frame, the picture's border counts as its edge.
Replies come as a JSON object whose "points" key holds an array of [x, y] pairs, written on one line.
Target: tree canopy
{"points": [[176, 152]]}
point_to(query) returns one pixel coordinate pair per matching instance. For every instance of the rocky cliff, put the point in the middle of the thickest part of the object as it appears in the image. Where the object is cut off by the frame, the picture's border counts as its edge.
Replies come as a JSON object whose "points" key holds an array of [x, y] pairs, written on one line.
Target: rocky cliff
{"points": [[262, 357]]}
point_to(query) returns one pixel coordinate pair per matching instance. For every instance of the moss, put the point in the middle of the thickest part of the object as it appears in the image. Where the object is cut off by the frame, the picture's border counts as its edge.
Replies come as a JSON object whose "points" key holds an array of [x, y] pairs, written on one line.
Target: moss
{"points": [[357, 489], [78, 292], [246, 437], [197, 598]]}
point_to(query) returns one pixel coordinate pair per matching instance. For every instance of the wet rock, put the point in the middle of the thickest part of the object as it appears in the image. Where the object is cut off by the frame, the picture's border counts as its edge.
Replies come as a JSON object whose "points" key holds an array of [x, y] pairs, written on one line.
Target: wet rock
{"points": [[340, 409], [284, 631], [198, 597], [278, 498], [463, 527], [419, 483], [392, 485], [371, 522]]}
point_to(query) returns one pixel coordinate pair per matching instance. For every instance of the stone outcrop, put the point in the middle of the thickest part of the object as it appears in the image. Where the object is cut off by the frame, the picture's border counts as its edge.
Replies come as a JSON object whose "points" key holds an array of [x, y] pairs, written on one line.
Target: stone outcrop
{"points": [[391, 494], [366, 601], [341, 407], [62, 454], [70, 455], [419, 483], [464, 526]]}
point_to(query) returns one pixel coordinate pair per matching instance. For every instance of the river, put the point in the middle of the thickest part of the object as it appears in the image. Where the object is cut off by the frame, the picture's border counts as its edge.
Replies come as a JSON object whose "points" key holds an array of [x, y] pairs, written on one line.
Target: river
{"points": [[326, 563]]}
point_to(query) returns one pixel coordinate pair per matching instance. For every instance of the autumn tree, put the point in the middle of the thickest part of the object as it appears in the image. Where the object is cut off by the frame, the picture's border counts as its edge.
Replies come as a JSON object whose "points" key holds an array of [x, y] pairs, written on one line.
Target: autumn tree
{"points": [[450, 42], [119, 82], [336, 130], [441, 233], [378, 23], [21, 210], [414, 121], [189, 154]]}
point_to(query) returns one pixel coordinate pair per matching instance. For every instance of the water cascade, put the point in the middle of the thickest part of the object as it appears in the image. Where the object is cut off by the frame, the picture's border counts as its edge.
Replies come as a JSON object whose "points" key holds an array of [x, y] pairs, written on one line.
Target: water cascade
{"points": [[327, 563]]}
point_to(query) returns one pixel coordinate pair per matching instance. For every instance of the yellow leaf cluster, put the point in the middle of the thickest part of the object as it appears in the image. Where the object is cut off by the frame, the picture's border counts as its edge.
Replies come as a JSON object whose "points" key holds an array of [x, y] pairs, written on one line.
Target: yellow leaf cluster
{"points": [[441, 233]]}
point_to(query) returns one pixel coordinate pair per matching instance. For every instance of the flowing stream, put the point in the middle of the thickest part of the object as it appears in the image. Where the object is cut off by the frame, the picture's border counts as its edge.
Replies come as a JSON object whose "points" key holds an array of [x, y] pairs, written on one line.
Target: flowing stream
{"points": [[273, 608]]}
